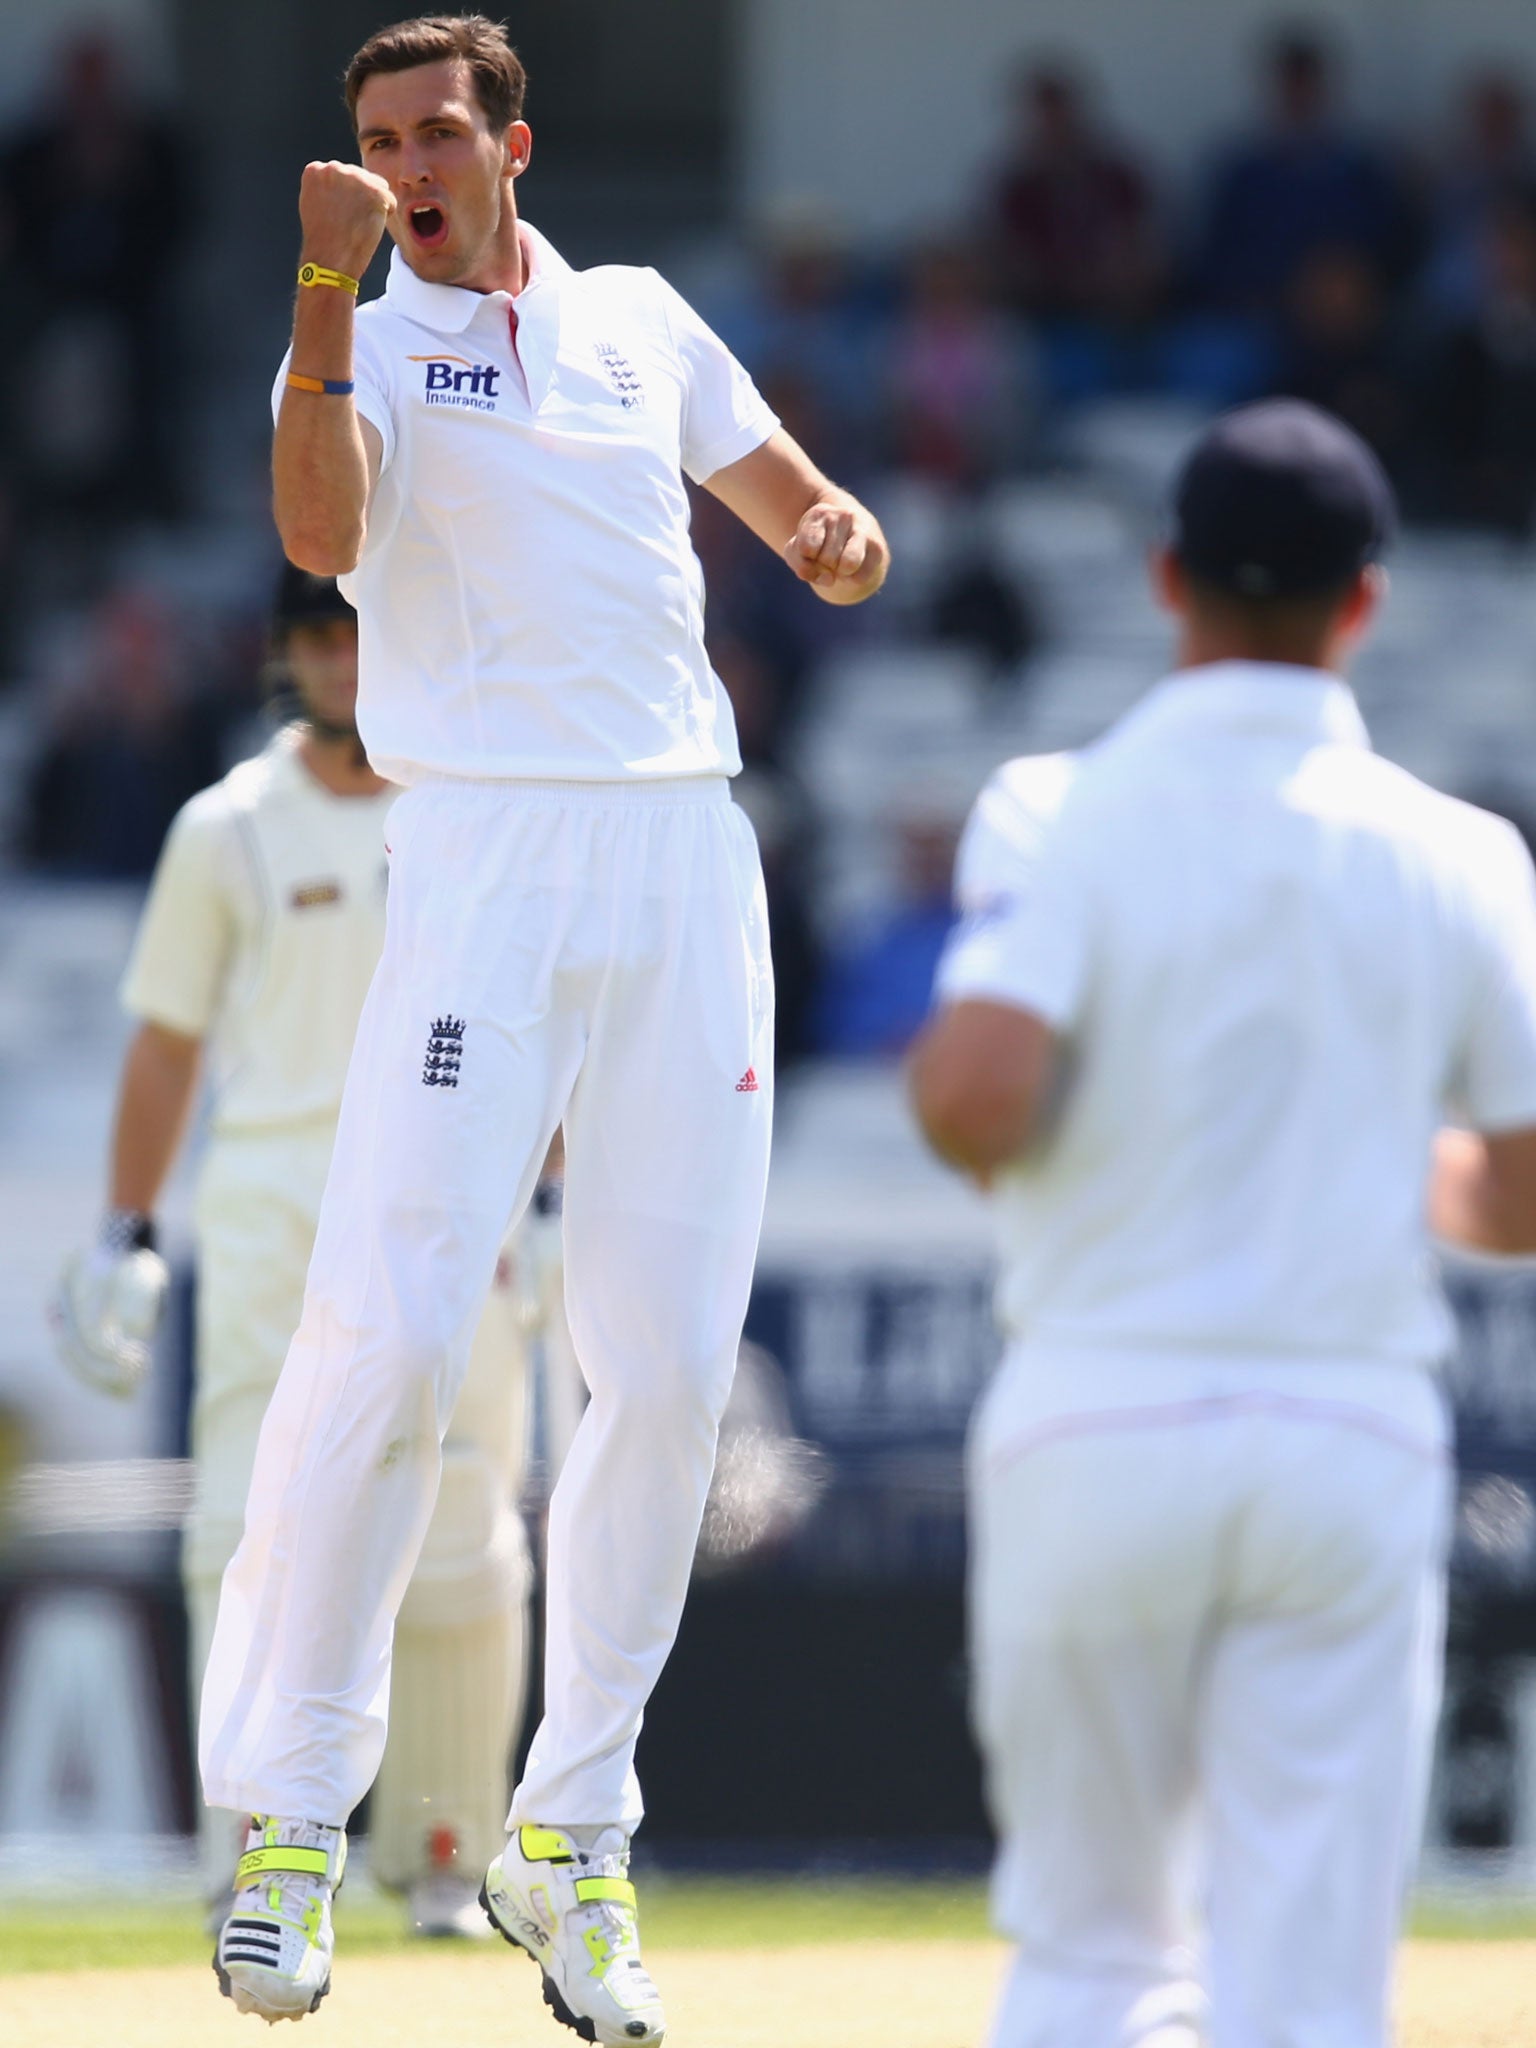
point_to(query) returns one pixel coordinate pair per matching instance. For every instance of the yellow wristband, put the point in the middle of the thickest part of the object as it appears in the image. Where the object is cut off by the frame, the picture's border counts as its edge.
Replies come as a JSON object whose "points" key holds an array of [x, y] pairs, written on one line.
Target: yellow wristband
{"points": [[315, 273]]}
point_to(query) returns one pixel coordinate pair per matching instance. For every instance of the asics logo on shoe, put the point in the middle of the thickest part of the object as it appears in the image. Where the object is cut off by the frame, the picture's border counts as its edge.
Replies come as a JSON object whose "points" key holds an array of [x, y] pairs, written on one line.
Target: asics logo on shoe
{"points": [[528, 1931]]}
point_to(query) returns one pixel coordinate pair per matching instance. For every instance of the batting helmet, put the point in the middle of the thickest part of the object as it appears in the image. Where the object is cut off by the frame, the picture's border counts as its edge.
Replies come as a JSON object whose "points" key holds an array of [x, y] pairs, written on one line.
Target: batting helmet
{"points": [[305, 600]]}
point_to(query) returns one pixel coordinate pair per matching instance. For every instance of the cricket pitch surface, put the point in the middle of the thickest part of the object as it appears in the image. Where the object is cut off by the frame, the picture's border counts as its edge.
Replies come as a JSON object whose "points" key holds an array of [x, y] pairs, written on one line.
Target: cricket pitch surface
{"points": [[856, 1994]]}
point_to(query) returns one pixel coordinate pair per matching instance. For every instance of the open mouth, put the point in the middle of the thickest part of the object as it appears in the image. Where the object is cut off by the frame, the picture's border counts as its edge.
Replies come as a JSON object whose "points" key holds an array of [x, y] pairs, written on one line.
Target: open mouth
{"points": [[429, 226]]}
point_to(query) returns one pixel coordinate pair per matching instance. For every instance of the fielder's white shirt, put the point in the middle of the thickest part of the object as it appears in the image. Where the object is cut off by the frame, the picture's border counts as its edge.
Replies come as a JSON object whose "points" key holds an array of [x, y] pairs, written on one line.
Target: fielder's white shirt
{"points": [[1001, 843], [1278, 963], [529, 602], [264, 923]]}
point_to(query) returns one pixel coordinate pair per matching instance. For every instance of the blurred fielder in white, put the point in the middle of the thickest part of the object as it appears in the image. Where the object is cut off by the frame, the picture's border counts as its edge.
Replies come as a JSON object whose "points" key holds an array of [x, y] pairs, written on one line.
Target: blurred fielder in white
{"points": [[1222, 983], [262, 930]]}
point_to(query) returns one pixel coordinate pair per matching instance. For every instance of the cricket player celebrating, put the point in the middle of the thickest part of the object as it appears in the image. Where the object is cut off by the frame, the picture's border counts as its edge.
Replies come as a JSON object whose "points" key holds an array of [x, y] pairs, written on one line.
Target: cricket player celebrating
{"points": [[492, 457], [1233, 973], [262, 930]]}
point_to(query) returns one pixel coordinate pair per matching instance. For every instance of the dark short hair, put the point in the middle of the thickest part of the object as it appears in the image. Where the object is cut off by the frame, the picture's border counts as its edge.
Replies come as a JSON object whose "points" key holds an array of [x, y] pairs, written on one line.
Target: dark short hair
{"points": [[499, 78], [301, 599], [1287, 629], [1298, 47]]}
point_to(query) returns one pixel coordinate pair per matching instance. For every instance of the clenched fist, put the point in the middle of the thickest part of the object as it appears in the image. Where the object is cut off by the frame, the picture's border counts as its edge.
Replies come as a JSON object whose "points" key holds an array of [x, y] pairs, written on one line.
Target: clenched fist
{"points": [[343, 209], [840, 551]]}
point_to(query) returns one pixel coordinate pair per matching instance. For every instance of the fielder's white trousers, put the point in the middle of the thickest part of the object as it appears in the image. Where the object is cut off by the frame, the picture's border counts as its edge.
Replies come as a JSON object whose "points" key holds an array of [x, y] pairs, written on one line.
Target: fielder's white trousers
{"points": [[592, 953], [1206, 1626]]}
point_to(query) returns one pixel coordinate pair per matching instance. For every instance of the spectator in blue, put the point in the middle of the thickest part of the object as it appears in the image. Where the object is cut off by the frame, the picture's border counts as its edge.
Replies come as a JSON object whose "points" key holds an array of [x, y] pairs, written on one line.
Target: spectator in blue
{"points": [[878, 984], [1491, 161], [1306, 183], [806, 317]]}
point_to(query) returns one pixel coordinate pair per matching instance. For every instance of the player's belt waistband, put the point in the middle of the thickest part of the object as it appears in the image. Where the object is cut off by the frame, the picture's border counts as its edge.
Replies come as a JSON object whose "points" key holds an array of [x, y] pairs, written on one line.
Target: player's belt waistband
{"points": [[669, 791], [1040, 1394]]}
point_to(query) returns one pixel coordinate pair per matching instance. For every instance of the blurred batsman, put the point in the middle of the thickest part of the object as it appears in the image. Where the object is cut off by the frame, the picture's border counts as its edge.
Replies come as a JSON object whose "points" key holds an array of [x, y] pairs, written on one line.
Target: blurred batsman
{"points": [[1226, 984], [262, 930]]}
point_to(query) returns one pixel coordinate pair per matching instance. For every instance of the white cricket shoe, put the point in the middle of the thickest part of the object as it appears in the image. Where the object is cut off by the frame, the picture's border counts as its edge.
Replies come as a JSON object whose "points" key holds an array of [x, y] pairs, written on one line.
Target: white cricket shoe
{"points": [[573, 1909], [274, 1950]]}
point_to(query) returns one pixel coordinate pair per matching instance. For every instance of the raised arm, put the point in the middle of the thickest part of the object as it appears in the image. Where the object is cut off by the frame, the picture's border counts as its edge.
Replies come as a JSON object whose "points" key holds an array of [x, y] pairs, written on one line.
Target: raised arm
{"points": [[325, 456], [827, 537]]}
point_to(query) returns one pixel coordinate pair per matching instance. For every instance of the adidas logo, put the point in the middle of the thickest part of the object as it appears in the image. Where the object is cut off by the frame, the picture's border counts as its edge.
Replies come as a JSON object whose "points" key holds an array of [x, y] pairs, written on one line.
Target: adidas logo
{"points": [[747, 1085], [251, 1941]]}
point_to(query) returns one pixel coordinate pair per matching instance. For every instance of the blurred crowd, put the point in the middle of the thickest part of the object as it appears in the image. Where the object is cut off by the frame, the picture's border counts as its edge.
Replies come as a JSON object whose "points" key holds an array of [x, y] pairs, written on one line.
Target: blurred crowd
{"points": [[95, 219], [130, 710], [1390, 277], [1392, 280]]}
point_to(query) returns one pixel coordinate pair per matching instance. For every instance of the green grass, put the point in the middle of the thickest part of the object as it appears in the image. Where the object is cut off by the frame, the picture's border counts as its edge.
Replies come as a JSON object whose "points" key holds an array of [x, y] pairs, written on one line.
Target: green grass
{"points": [[721, 1912], [1474, 1922], [677, 1913]]}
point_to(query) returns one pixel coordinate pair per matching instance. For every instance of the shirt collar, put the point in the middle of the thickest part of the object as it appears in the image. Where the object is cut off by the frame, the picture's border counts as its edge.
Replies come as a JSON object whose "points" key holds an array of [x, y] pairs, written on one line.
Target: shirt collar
{"points": [[449, 308], [1255, 696]]}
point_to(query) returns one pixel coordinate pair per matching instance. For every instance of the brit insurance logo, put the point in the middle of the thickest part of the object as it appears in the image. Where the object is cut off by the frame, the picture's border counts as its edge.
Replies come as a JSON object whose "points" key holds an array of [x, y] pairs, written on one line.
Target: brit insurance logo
{"points": [[455, 380]]}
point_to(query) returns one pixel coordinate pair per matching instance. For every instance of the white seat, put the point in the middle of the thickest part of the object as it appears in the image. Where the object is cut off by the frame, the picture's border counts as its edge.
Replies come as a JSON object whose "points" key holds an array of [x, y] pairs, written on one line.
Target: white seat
{"points": [[1135, 444], [1039, 525]]}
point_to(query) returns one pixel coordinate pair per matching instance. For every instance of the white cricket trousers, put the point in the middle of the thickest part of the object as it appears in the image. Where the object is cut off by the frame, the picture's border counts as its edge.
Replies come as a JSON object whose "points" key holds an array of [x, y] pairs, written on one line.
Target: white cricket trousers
{"points": [[460, 1651], [592, 953], [1206, 1606]]}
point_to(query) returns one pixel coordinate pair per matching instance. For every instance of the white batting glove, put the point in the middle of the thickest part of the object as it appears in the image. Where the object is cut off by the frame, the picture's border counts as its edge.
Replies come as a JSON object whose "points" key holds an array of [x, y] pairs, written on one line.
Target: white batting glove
{"points": [[108, 1305]]}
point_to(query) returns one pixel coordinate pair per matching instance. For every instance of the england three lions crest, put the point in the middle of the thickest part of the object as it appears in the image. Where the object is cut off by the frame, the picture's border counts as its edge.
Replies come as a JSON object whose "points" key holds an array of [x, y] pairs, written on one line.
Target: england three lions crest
{"points": [[445, 1053], [621, 374]]}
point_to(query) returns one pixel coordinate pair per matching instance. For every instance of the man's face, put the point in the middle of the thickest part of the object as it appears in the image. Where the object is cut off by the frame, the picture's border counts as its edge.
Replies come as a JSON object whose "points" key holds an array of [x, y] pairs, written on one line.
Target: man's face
{"points": [[1299, 90], [425, 132], [322, 660]]}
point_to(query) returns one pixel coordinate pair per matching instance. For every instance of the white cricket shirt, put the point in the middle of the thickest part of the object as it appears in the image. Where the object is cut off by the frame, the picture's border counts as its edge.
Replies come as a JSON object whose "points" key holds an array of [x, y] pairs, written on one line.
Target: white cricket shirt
{"points": [[1003, 836], [1278, 963], [529, 602], [264, 923]]}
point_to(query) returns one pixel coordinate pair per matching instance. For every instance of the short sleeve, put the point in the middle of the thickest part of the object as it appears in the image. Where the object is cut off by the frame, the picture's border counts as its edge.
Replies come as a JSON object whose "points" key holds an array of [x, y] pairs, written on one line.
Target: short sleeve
{"points": [[1024, 908], [371, 387], [1496, 1078], [725, 416], [1002, 838], [182, 947]]}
